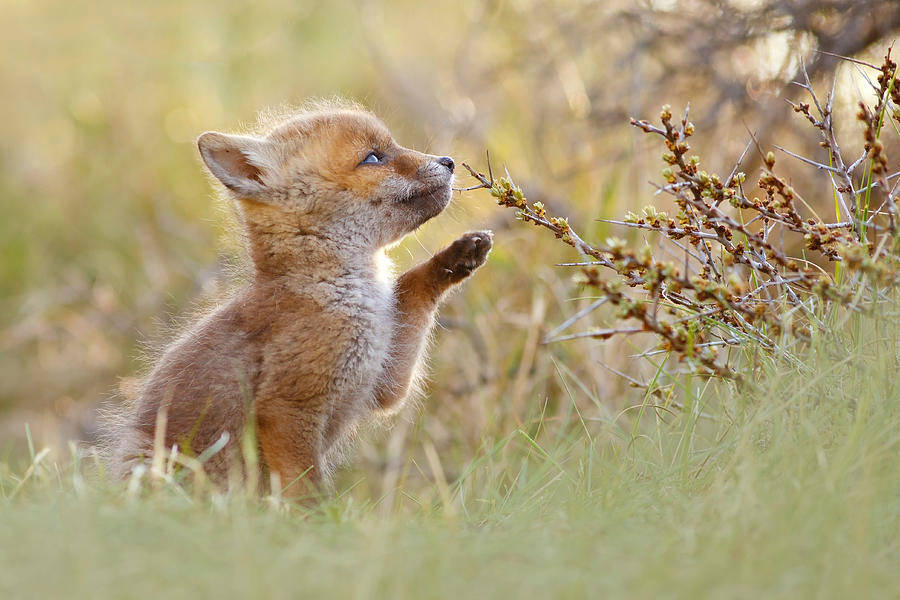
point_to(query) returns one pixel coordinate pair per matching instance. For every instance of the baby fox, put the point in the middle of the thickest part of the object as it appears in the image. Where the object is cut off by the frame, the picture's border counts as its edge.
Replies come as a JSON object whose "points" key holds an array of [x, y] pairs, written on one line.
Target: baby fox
{"points": [[321, 338]]}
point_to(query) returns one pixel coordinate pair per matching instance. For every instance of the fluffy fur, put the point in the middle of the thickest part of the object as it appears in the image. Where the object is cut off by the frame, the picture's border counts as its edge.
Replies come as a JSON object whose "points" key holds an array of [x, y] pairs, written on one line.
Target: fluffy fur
{"points": [[321, 339]]}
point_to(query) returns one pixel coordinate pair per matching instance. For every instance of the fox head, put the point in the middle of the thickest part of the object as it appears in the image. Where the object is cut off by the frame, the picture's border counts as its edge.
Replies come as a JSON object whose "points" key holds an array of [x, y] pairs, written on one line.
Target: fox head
{"points": [[336, 174]]}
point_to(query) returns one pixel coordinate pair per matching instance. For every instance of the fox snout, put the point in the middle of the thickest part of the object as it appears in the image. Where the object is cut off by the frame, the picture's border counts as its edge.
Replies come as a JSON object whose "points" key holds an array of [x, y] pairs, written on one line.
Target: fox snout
{"points": [[447, 162], [432, 189], [436, 172]]}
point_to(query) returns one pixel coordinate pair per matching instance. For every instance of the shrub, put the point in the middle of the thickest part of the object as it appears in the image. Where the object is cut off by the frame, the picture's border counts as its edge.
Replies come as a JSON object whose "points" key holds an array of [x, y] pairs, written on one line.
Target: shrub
{"points": [[739, 286]]}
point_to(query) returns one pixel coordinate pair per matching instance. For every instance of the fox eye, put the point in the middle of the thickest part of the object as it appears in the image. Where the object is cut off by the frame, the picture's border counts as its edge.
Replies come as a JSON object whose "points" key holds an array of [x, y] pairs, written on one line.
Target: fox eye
{"points": [[373, 158]]}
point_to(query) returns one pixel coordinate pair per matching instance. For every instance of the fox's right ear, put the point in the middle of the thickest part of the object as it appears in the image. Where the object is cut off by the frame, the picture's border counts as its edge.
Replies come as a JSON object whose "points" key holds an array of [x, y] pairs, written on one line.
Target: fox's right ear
{"points": [[238, 161]]}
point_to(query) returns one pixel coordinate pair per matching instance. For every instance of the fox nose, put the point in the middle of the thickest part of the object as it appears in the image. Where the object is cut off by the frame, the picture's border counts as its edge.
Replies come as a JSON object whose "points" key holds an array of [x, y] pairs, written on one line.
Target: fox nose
{"points": [[447, 162]]}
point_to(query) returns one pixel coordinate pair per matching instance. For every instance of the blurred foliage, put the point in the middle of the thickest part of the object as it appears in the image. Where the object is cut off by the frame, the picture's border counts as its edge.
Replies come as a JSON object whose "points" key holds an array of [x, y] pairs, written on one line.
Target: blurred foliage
{"points": [[111, 231]]}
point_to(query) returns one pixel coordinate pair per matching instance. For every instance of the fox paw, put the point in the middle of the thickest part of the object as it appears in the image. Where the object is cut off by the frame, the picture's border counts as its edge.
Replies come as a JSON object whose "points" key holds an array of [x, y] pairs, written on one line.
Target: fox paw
{"points": [[466, 254]]}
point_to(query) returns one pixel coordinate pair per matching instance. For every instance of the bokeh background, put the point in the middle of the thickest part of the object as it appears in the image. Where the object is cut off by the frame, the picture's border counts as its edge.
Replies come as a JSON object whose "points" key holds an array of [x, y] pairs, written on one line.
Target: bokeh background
{"points": [[111, 233]]}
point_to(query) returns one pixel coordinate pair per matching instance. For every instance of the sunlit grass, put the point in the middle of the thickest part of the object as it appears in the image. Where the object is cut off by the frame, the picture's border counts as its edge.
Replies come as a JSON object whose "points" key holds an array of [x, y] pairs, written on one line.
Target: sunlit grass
{"points": [[788, 491], [528, 470]]}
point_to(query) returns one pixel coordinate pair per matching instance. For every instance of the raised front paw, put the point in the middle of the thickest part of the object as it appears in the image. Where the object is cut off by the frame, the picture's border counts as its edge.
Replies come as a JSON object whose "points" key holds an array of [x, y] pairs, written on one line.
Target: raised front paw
{"points": [[458, 260]]}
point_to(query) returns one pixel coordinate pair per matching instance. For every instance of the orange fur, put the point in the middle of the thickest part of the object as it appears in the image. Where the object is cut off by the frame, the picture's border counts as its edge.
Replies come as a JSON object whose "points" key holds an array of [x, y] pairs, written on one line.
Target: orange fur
{"points": [[320, 339]]}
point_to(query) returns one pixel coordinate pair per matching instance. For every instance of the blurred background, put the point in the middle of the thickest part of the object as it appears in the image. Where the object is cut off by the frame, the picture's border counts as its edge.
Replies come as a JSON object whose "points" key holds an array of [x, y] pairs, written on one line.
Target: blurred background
{"points": [[111, 233]]}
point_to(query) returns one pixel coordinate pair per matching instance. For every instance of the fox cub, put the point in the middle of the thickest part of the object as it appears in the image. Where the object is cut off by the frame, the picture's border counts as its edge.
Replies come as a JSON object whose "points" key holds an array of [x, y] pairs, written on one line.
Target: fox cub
{"points": [[321, 338]]}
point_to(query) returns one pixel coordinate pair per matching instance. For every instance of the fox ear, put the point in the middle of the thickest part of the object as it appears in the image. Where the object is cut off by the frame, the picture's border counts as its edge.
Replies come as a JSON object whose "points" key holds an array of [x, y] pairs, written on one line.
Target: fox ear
{"points": [[238, 161]]}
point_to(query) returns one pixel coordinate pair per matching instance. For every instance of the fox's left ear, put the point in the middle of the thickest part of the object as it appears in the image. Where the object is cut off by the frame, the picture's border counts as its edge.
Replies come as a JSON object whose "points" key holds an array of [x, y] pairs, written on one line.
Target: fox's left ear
{"points": [[238, 161]]}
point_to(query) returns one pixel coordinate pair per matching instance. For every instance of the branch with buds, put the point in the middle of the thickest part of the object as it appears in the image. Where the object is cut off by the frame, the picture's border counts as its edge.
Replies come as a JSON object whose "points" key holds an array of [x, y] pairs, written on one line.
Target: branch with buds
{"points": [[736, 285]]}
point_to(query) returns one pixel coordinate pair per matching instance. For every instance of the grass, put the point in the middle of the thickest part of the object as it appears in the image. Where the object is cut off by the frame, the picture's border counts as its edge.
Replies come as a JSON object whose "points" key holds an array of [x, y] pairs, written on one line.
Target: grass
{"points": [[532, 472], [791, 490]]}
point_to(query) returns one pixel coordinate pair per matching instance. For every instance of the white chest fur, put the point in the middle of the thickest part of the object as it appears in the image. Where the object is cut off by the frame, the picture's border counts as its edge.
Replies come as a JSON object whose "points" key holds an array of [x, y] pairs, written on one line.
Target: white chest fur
{"points": [[364, 299]]}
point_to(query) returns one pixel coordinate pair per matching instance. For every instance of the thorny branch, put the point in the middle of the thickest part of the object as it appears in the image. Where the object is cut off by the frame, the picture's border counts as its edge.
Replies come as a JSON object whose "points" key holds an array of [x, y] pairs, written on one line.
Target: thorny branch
{"points": [[744, 287]]}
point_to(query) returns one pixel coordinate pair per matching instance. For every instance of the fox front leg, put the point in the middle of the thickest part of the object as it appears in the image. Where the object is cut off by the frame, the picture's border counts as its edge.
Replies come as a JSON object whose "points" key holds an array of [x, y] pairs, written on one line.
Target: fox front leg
{"points": [[418, 293]]}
